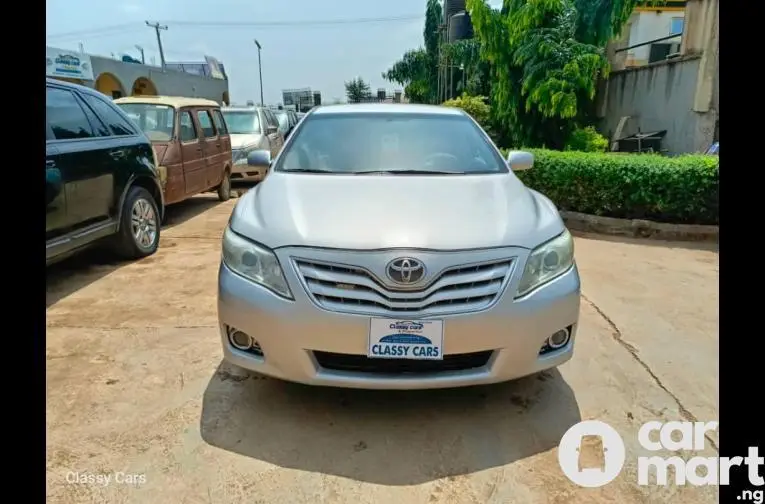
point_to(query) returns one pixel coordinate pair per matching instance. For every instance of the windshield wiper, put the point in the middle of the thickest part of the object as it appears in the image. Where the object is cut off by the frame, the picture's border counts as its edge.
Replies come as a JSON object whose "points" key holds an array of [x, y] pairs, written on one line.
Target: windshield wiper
{"points": [[406, 172]]}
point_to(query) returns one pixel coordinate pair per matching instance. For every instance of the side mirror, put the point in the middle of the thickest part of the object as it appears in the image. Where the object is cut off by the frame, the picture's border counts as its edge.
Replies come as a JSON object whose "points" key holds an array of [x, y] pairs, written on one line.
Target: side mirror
{"points": [[520, 160], [259, 159]]}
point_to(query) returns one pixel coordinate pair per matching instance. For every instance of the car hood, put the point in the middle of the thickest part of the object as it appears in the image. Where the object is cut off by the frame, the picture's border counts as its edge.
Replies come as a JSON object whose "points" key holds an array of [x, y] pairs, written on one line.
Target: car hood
{"points": [[364, 212], [239, 141]]}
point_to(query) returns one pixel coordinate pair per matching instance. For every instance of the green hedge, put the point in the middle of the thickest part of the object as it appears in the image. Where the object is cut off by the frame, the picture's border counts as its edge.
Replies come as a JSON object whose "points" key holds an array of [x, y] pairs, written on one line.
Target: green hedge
{"points": [[680, 190]]}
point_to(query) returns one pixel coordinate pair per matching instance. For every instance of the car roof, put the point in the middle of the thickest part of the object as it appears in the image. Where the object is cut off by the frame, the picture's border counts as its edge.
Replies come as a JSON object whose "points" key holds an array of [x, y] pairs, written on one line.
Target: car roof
{"points": [[172, 101], [235, 108], [385, 108], [72, 85]]}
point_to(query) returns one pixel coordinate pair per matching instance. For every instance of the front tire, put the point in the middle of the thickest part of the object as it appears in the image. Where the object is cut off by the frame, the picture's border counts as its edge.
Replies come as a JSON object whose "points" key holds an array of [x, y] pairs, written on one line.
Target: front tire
{"points": [[224, 189], [139, 225]]}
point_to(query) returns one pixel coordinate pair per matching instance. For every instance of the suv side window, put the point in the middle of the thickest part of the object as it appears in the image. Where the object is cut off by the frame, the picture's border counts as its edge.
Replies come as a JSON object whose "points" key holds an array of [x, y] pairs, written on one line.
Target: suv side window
{"points": [[188, 130], [271, 119], [117, 125], [220, 122], [205, 122], [64, 115]]}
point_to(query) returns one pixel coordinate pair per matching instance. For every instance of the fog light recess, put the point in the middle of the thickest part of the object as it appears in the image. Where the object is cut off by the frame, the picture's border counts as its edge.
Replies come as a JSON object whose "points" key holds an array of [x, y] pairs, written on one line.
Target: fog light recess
{"points": [[556, 341], [244, 342]]}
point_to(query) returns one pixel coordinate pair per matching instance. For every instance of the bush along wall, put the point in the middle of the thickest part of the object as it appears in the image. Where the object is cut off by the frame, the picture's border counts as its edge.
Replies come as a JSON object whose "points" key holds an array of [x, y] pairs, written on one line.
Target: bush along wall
{"points": [[679, 190]]}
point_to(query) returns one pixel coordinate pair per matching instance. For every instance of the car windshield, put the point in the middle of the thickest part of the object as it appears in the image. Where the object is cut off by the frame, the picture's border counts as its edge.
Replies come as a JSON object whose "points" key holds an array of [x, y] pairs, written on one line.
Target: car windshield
{"points": [[157, 121], [242, 122], [389, 143], [283, 119]]}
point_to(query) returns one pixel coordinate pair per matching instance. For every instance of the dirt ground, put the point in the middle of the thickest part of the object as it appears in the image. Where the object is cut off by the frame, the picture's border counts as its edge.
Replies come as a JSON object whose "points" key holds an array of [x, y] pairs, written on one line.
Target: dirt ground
{"points": [[141, 409]]}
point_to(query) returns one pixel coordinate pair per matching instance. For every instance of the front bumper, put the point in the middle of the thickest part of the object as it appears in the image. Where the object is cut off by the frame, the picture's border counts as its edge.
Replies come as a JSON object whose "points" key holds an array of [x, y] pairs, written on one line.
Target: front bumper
{"points": [[290, 331], [243, 171]]}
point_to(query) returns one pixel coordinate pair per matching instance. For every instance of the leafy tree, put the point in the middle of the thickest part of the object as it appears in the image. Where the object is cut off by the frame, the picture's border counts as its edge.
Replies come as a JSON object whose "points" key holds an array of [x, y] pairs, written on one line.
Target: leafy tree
{"points": [[546, 57], [412, 72], [357, 90], [417, 71]]}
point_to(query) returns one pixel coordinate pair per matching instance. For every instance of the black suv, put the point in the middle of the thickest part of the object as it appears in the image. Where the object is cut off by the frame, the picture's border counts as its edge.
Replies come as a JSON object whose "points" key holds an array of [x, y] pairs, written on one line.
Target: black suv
{"points": [[101, 180]]}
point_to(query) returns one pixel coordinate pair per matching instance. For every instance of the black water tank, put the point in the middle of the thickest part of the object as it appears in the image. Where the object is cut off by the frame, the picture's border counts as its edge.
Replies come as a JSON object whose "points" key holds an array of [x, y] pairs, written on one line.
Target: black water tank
{"points": [[381, 94], [317, 99], [460, 27], [452, 7]]}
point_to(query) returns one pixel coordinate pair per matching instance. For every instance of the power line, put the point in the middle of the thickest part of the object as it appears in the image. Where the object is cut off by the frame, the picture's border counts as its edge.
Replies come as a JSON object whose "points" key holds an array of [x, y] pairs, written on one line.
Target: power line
{"points": [[109, 30], [104, 29], [324, 22]]}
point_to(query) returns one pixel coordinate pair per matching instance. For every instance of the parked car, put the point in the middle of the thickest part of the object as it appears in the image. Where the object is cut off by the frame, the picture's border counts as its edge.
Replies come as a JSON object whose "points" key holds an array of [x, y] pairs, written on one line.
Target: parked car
{"points": [[285, 125], [392, 247], [191, 140], [293, 119], [251, 128], [101, 179]]}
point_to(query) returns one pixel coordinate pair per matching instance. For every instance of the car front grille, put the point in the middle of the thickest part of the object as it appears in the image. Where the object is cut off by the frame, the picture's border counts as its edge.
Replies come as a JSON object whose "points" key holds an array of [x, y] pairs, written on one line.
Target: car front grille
{"points": [[363, 364], [349, 289]]}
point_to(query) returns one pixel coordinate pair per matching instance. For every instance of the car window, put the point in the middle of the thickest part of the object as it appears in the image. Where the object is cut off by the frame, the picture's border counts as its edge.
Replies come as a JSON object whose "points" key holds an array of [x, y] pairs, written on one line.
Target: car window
{"points": [[284, 120], [353, 143], [220, 122], [156, 121], [270, 119], [99, 128], [65, 116], [188, 130], [205, 122], [242, 122], [116, 123]]}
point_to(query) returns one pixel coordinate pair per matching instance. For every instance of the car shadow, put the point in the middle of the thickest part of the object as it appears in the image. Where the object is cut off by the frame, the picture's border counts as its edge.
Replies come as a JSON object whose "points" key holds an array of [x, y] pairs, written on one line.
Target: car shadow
{"points": [[185, 210], [386, 437], [72, 274]]}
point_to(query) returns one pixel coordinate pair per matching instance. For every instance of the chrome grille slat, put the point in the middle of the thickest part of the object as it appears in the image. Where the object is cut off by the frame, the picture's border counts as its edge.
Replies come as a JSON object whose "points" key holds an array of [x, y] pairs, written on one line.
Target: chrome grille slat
{"points": [[396, 304], [348, 289], [361, 278]]}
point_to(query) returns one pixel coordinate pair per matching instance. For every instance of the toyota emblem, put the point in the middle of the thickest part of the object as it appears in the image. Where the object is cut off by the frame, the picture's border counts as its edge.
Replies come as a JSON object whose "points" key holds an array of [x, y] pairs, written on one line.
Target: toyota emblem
{"points": [[405, 270]]}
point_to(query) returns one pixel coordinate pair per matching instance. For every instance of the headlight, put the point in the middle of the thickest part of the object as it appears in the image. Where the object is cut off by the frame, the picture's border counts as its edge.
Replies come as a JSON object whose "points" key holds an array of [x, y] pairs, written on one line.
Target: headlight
{"points": [[254, 262], [238, 155], [546, 262]]}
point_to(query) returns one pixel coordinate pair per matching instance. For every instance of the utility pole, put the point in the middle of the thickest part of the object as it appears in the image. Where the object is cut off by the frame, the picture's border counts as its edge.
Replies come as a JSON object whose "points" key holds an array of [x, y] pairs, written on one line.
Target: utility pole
{"points": [[157, 27], [82, 48], [143, 56], [260, 72]]}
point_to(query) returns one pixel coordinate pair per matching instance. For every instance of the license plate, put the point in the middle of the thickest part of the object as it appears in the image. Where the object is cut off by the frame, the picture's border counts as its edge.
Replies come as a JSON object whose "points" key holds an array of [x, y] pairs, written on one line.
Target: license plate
{"points": [[405, 339]]}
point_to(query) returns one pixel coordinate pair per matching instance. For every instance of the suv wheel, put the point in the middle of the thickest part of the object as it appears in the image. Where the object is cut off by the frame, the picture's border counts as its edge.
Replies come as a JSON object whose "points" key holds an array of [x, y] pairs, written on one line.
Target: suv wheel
{"points": [[139, 225], [224, 189]]}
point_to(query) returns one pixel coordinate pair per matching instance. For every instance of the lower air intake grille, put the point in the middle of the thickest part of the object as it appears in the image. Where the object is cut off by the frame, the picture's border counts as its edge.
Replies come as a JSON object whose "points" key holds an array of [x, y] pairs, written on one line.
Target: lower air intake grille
{"points": [[363, 364]]}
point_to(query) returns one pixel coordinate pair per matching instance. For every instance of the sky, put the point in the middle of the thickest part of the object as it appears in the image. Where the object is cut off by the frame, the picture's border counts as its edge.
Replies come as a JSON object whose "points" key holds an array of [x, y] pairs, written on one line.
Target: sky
{"points": [[321, 57]]}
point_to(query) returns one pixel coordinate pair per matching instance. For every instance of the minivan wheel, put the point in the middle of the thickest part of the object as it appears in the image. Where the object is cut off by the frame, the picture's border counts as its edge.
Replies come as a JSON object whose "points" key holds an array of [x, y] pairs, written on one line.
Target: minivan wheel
{"points": [[139, 225], [224, 189]]}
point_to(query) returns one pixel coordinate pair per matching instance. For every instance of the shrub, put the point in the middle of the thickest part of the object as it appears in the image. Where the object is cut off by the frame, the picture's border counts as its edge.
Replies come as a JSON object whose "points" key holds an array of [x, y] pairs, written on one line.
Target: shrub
{"points": [[587, 140], [475, 106], [678, 190]]}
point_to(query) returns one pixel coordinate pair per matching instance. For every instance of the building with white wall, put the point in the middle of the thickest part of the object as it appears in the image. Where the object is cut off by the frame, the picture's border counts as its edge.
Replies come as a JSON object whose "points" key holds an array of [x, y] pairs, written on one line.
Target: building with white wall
{"points": [[644, 36], [116, 78]]}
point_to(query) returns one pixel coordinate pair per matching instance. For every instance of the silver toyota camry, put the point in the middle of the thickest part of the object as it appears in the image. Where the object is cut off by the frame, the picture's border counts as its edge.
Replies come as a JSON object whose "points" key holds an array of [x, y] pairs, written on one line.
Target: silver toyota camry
{"points": [[392, 247]]}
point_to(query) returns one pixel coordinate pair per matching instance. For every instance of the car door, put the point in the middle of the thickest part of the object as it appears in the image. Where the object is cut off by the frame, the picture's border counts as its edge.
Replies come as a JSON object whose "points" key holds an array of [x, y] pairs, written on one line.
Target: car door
{"points": [[82, 143], [275, 139], [118, 158], [192, 152], [225, 139], [55, 196], [211, 147]]}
